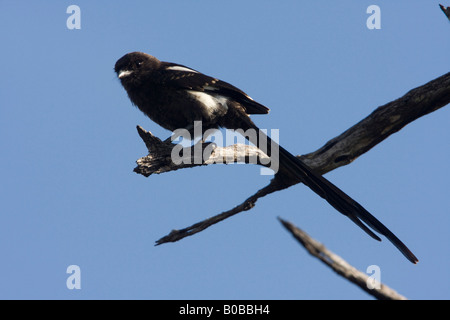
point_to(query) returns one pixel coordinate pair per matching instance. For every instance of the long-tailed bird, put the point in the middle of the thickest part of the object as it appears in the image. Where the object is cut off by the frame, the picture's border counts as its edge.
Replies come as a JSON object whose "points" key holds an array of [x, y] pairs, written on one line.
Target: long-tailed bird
{"points": [[175, 96]]}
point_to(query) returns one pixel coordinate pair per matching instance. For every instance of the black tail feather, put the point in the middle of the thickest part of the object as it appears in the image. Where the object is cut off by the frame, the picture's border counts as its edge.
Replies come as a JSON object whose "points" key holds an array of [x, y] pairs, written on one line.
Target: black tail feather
{"points": [[334, 196], [341, 201]]}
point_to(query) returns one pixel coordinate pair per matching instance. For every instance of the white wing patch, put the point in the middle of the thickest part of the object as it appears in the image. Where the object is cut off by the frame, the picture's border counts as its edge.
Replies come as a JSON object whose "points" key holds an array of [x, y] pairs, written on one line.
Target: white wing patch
{"points": [[215, 104], [180, 68]]}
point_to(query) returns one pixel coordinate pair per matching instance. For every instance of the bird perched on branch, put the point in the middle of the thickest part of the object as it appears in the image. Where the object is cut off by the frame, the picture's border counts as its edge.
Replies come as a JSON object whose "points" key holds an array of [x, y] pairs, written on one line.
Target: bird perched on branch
{"points": [[175, 96]]}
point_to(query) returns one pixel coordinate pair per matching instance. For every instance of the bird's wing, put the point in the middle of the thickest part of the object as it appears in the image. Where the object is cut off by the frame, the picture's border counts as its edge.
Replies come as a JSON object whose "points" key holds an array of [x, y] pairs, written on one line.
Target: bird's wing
{"points": [[183, 77]]}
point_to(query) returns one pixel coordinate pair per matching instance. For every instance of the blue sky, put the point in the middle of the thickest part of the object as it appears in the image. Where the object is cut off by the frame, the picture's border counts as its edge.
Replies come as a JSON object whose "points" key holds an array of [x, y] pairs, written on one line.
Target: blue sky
{"points": [[69, 144]]}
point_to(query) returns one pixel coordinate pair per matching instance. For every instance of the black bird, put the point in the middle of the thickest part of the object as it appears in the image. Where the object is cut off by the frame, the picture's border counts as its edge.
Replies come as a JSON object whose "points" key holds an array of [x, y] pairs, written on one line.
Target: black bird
{"points": [[174, 96]]}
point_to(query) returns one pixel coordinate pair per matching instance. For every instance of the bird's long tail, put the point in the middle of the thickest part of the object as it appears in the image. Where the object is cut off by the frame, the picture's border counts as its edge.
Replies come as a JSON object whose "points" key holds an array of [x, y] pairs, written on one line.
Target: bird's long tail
{"points": [[332, 194]]}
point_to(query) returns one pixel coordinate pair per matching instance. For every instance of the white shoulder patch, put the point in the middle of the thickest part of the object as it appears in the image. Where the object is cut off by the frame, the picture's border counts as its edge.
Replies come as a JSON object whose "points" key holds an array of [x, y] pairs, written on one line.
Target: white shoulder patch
{"points": [[214, 104], [180, 68]]}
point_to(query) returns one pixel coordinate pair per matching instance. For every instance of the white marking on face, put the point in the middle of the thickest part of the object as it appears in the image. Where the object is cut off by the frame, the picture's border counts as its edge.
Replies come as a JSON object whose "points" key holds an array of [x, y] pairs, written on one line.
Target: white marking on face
{"points": [[180, 68], [124, 73]]}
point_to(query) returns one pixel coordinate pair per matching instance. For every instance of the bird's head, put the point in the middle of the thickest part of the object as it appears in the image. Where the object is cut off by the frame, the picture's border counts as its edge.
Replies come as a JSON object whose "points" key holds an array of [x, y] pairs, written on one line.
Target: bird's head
{"points": [[134, 65]]}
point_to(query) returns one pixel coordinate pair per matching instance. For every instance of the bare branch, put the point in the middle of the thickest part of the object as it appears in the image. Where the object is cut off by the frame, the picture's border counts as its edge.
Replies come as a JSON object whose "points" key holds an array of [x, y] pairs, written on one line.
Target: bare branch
{"points": [[159, 159], [381, 123], [339, 151], [446, 11], [340, 266], [176, 235]]}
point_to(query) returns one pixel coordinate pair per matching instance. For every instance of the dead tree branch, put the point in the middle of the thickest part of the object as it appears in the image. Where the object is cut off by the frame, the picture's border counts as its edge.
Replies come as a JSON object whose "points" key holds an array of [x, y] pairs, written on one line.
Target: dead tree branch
{"points": [[339, 151], [340, 266]]}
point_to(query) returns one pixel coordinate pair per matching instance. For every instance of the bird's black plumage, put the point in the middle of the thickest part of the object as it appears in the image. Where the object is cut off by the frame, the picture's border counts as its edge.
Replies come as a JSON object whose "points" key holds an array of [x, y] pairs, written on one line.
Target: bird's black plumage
{"points": [[174, 96]]}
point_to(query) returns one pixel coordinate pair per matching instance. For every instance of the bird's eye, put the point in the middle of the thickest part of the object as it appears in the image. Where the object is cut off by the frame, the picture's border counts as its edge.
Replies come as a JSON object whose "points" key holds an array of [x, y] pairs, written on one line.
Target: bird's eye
{"points": [[140, 63]]}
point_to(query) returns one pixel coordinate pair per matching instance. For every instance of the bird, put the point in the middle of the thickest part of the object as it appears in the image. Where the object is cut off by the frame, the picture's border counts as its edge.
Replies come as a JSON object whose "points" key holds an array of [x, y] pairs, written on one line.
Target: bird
{"points": [[175, 96]]}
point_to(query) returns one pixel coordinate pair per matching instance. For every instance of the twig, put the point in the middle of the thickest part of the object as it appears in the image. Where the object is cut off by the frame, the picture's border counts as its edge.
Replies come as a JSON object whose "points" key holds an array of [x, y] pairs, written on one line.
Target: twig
{"points": [[340, 266], [446, 11]]}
